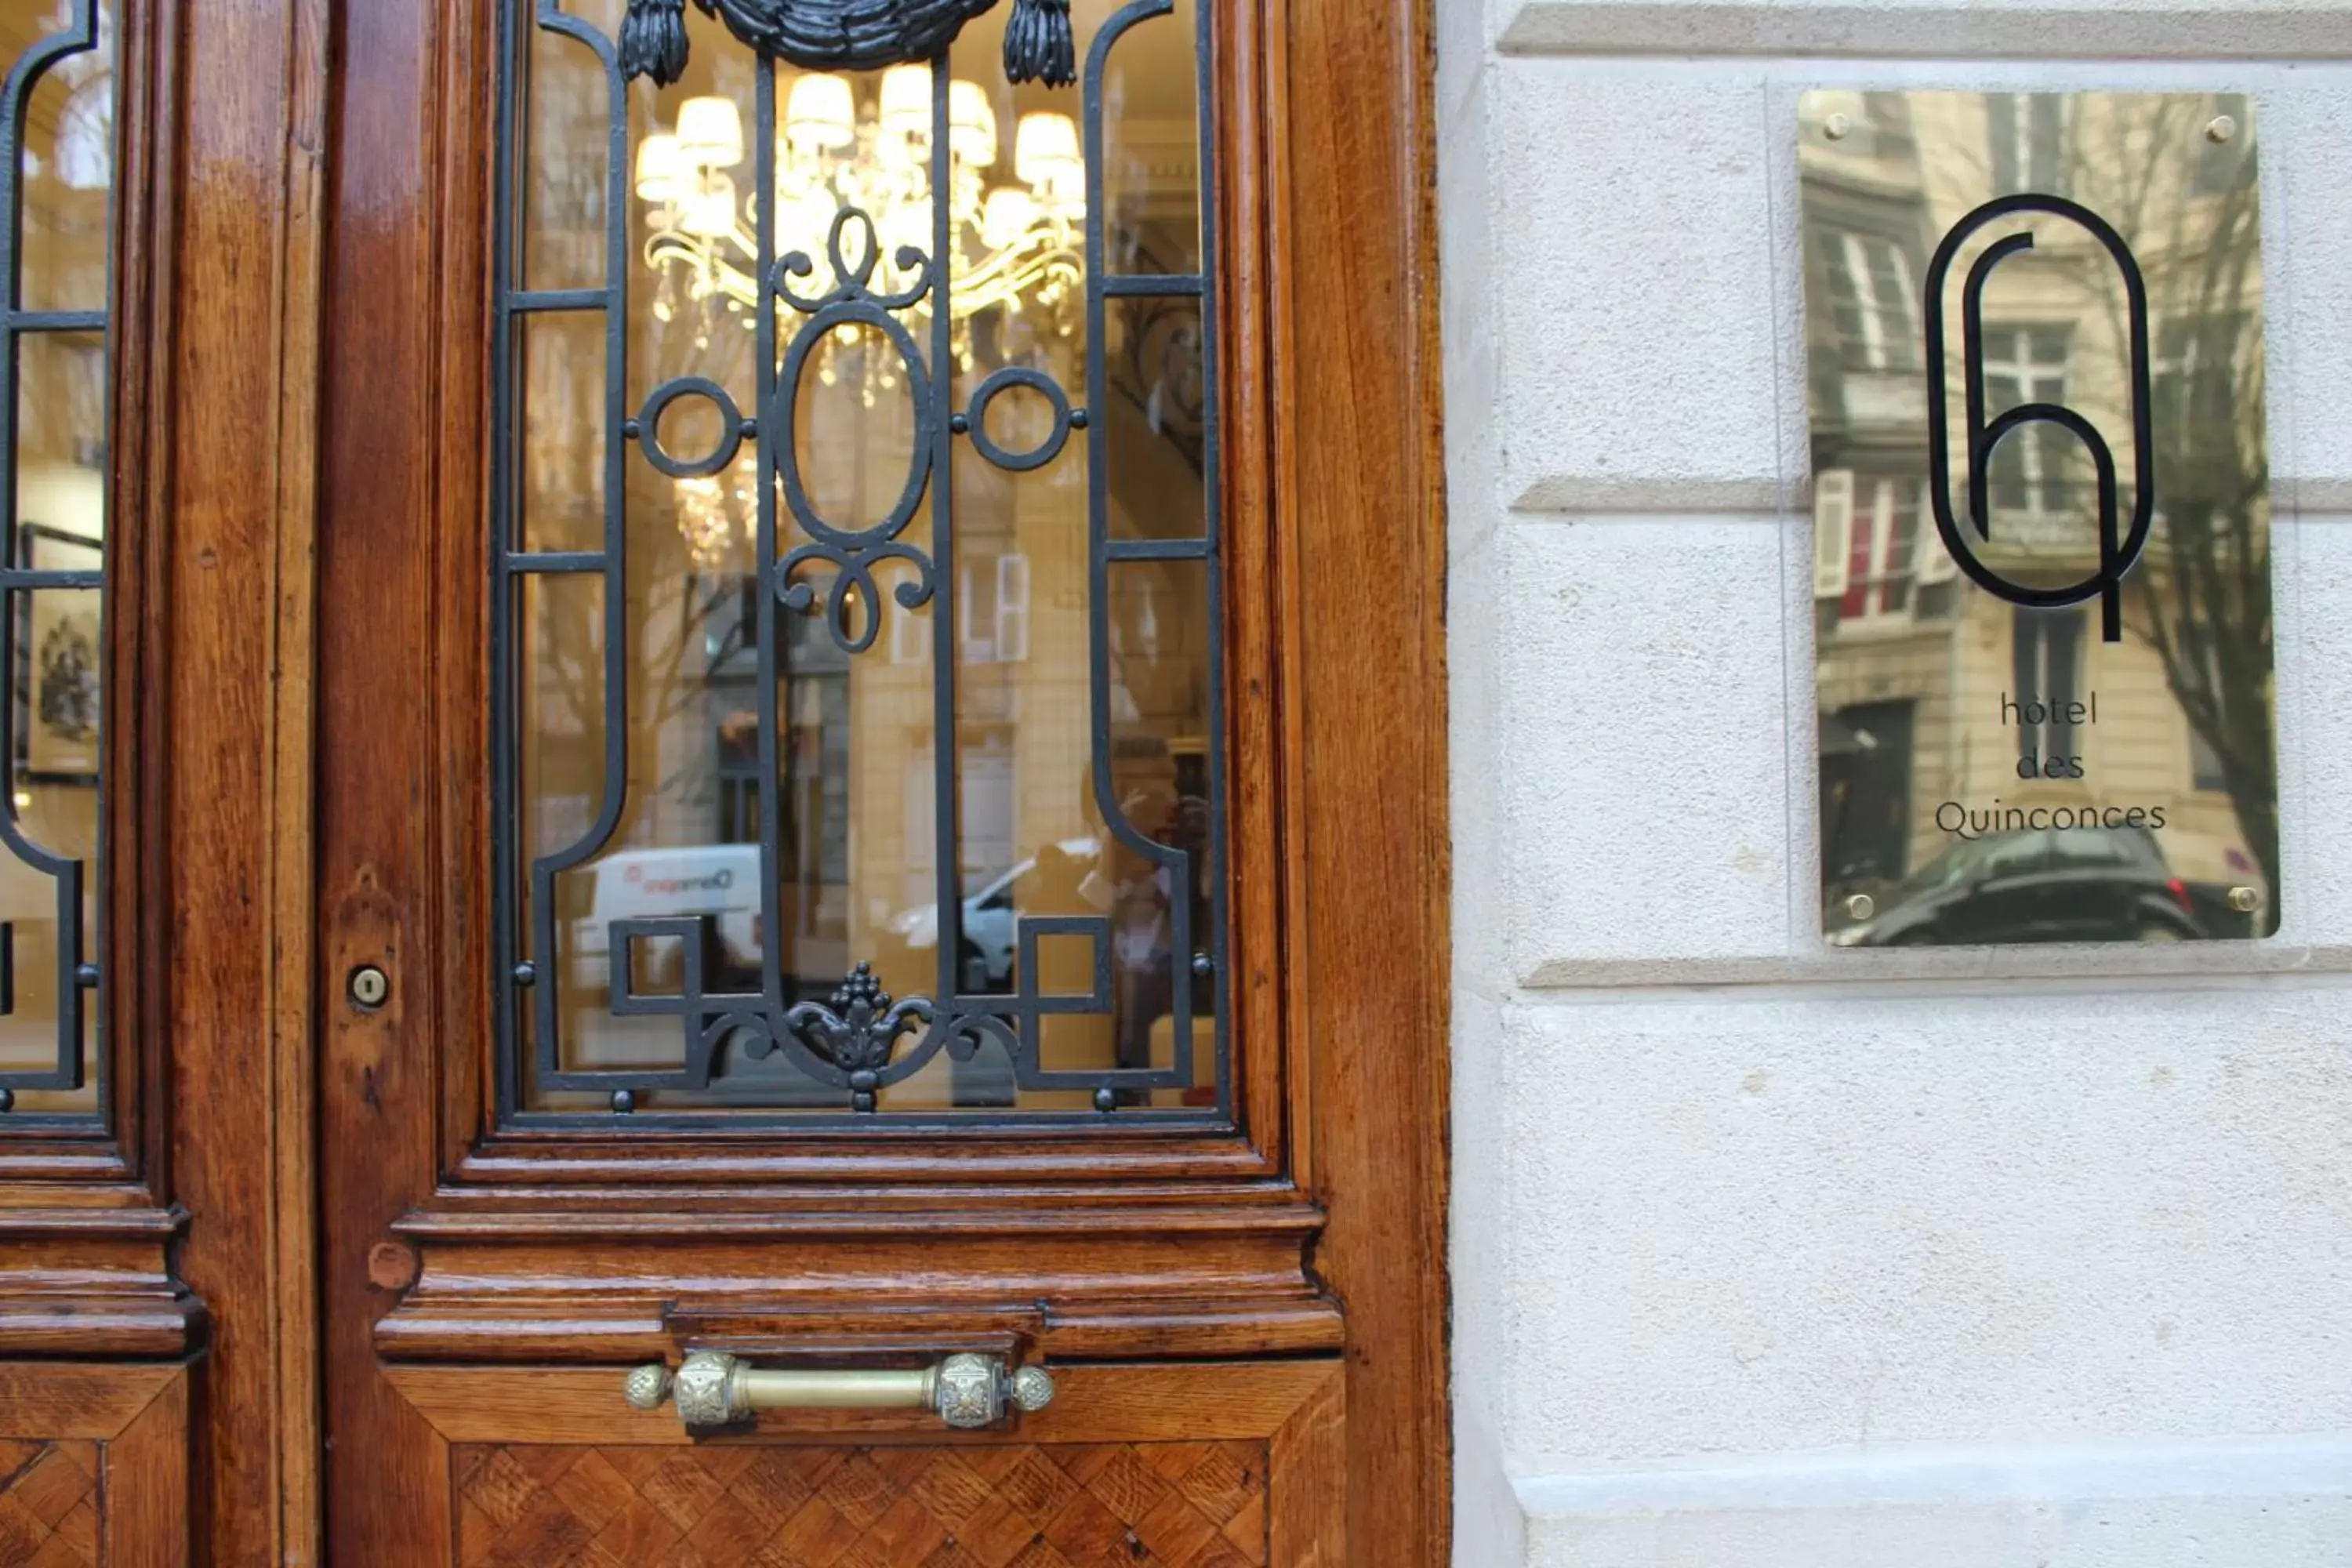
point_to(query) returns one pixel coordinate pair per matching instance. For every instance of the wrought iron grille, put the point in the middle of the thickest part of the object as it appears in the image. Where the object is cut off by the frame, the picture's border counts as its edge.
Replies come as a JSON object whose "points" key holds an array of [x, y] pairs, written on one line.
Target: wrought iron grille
{"points": [[846, 1042], [49, 722]]}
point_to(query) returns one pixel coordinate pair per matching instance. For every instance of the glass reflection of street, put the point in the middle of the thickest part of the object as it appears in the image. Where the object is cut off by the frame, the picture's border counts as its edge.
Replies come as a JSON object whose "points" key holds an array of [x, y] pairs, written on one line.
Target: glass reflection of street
{"points": [[1933, 690], [856, 761]]}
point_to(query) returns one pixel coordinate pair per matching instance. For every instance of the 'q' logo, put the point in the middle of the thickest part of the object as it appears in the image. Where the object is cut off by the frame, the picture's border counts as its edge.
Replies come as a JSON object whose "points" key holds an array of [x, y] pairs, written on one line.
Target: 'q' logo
{"points": [[2118, 550]]}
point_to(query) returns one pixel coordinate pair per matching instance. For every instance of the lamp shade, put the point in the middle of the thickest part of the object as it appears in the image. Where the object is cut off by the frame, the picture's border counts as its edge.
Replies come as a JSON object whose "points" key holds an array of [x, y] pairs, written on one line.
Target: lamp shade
{"points": [[662, 174], [820, 114], [971, 124], [710, 132], [907, 103], [1046, 155]]}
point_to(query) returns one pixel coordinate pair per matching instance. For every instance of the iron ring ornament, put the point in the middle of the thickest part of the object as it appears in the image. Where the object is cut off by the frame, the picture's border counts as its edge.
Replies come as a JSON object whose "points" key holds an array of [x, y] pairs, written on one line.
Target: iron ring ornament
{"points": [[2120, 547], [647, 429], [973, 423]]}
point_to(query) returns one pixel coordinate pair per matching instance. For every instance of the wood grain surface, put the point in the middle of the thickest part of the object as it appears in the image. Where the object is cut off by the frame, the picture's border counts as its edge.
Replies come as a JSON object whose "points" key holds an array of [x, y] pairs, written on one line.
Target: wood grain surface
{"points": [[1117, 1505], [1315, 1225]]}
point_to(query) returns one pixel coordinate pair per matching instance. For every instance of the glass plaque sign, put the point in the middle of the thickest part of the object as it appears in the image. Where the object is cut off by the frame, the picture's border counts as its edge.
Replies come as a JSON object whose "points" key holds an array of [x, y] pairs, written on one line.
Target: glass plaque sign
{"points": [[2042, 562]]}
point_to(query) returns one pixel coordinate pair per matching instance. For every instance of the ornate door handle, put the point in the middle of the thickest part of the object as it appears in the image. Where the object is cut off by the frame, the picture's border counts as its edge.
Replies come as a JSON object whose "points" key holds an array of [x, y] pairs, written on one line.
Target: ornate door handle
{"points": [[715, 1389]]}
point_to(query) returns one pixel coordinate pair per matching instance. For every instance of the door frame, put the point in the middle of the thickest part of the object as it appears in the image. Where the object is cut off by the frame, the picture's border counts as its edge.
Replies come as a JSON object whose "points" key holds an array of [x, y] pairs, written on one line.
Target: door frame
{"points": [[155, 1316], [1352, 409]]}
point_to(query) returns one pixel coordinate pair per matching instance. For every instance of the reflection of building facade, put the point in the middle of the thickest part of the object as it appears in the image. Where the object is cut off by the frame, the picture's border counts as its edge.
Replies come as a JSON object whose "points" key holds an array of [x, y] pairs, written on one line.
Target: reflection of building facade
{"points": [[1915, 663], [861, 830]]}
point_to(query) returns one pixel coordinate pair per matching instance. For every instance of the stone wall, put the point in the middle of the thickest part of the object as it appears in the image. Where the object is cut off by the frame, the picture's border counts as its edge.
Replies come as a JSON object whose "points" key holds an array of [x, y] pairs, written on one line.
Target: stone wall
{"points": [[1770, 1256]]}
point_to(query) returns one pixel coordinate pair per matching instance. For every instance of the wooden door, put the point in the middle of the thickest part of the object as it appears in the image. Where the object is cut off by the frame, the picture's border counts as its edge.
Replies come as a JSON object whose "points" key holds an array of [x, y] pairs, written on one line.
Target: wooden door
{"points": [[158, 178], [462, 992]]}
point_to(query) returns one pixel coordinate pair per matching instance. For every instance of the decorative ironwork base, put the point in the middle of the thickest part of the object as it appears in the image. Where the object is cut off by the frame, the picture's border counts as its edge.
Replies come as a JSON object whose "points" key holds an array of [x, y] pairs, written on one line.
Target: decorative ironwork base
{"points": [[852, 35]]}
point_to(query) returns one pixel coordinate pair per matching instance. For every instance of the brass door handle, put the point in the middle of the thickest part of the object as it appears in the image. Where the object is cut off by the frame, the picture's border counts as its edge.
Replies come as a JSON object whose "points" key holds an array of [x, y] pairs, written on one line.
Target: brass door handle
{"points": [[715, 1389]]}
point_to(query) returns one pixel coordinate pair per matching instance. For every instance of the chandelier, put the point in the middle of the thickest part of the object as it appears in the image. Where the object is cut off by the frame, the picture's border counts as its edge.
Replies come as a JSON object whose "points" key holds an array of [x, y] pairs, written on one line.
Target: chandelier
{"points": [[1015, 245]]}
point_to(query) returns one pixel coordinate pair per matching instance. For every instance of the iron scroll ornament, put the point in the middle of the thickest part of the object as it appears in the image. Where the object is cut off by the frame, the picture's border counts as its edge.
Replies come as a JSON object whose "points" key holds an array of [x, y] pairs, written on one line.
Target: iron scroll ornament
{"points": [[859, 1043], [2117, 555], [852, 35]]}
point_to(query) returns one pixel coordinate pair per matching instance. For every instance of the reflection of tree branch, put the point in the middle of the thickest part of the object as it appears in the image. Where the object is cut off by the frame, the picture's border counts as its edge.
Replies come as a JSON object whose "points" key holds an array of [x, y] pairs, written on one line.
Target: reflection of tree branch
{"points": [[568, 657], [2205, 595], [1133, 378]]}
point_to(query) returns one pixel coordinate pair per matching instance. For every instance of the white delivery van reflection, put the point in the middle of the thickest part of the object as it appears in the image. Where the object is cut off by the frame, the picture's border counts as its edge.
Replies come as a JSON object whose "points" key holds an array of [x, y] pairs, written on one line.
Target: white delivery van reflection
{"points": [[718, 881]]}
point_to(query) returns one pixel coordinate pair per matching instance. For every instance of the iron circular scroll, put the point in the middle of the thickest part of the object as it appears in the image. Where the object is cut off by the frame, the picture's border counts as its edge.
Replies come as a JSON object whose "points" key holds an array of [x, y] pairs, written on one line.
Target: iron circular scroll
{"points": [[1003, 381], [853, 303], [648, 427]]}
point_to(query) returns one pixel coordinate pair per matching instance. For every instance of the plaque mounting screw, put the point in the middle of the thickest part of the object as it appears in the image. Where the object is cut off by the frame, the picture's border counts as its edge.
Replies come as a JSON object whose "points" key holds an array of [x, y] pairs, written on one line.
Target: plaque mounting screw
{"points": [[2245, 900], [2220, 128], [1861, 907], [1837, 126]]}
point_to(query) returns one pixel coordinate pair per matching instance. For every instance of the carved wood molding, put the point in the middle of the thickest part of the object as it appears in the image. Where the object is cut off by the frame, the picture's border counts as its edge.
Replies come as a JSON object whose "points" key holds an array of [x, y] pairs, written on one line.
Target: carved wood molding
{"points": [[88, 1235], [94, 1283], [1202, 1273], [506, 1160]]}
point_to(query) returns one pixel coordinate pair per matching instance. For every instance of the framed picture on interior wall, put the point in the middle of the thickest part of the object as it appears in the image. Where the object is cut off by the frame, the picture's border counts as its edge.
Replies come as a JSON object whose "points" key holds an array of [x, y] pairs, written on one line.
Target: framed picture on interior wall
{"points": [[58, 689]]}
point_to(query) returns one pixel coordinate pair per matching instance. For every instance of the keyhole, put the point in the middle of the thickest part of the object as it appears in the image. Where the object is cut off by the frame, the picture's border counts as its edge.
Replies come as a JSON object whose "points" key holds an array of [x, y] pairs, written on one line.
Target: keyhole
{"points": [[369, 985]]}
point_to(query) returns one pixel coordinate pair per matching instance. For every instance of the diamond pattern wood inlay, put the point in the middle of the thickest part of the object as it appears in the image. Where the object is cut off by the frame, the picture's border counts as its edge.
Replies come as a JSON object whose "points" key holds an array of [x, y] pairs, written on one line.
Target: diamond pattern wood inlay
{"points": [[48, 1504], [1153, 1505]]}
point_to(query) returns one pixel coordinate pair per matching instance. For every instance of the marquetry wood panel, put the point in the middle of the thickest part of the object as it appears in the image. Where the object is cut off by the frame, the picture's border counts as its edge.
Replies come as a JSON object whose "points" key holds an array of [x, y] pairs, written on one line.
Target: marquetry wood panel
{"points": [[48, 1503], [94, 1465], [1106, 1505]]}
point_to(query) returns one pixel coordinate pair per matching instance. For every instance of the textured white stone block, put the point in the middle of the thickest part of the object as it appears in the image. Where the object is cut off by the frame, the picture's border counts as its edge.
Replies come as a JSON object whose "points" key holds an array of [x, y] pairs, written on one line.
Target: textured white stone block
{"points": [[1821, 1220], [1636, 751], [2194, 1503], [1628, 253], [2186, 1532], [2312, 568], [1634, 298], [2304, 115], [1999, 29]]}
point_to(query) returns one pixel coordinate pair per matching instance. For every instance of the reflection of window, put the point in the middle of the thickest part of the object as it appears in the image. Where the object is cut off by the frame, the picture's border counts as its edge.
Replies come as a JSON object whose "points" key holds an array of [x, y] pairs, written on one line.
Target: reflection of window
{"points": [[1011, 608], [2027, 140], [816, 758], [2089, 851], [2193, 384], [1884, 542], [1888, 118], [1875, 553], [1872, 302], [2026, 364], [2019, 854], [995, 610], [2047, 668], [2205, 770]]}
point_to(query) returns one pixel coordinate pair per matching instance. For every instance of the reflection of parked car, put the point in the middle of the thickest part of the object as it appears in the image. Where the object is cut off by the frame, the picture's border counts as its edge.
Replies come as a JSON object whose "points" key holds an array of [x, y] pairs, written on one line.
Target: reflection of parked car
{"points": [[2059, 885], [991, 923], [720, 880]]}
